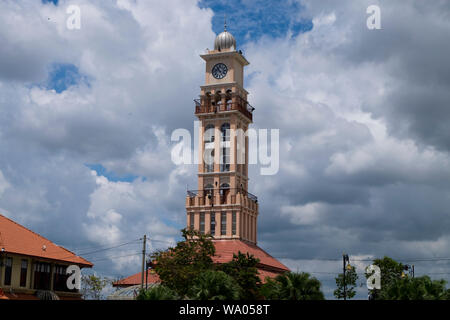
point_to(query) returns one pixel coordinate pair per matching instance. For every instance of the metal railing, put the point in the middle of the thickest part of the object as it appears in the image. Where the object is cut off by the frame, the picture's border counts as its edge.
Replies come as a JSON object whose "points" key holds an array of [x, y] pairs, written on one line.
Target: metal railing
{"points": [[211, 107], [222, 191]]}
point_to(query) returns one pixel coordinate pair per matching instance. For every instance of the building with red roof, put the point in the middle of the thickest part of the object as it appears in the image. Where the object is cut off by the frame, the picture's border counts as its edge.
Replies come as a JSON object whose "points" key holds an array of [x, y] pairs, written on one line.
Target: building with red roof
{"points": [[32, 266]]}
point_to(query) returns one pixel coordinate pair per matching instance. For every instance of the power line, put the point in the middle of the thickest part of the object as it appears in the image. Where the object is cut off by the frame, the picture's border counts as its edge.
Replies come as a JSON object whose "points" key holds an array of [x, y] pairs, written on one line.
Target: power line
{"points": [[104, 249], [109, 248], [115, 257], [101, 246], [372, 259]]}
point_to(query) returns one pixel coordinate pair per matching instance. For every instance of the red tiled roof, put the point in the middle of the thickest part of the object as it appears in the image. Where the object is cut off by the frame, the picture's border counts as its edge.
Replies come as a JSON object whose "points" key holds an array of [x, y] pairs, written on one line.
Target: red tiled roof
{"points": [[136, 279], [15, 238], [224, 253], [226, 248]]}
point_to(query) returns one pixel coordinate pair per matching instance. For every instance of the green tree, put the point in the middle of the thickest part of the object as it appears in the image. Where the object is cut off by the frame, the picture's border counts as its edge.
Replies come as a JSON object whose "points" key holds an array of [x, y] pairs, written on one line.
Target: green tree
{"points": [[92, 286], [293, 286], [350, 281], [214, 285], [243, 269], [420, 288], [178, 267], [391, 271], [271, 289], [396, 285], [157, 292]]}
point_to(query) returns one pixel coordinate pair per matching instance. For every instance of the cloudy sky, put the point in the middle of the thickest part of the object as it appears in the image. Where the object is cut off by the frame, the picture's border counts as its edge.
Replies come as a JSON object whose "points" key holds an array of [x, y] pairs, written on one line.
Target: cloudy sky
{"points": [[86, 118]]}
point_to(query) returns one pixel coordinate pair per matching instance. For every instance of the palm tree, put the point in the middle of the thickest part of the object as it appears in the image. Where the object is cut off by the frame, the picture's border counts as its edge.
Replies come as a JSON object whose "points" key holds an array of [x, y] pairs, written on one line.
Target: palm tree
{"points": [[214, 285], [157, 292], [293, 286]]}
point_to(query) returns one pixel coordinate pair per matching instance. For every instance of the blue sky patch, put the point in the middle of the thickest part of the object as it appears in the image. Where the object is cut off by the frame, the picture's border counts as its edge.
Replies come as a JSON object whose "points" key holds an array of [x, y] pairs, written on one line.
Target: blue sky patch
{"points": [[55, 2], [248, 20], [110, 175], [63, 75]]}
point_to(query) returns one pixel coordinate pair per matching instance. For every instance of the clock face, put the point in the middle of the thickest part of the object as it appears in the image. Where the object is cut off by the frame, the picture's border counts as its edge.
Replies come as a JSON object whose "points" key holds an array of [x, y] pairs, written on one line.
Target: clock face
{"points": [[219, 71]]}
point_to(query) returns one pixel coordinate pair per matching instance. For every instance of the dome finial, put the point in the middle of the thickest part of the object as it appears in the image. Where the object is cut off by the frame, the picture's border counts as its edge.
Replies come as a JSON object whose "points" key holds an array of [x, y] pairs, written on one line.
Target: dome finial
{"points": [[225, 40]]}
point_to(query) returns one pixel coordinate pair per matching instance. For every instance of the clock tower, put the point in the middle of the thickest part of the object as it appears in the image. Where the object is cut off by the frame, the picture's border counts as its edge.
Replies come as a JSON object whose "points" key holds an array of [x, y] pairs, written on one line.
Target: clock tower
{"points": [[222, 205]]}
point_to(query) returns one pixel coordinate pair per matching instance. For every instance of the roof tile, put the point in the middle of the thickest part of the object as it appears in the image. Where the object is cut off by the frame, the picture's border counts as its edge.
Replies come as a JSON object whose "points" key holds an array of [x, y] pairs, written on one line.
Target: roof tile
{"points": [[15, 238]]}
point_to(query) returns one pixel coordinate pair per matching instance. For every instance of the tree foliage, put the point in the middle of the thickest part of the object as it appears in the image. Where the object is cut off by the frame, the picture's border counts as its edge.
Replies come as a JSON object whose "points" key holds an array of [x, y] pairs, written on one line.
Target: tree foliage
{"points": [[214, 285], [420, 288], [92, 286], [178, 267], [350, 281], [293, 286], [391, 271], [394, 286], [157, 292], [244, 271]]}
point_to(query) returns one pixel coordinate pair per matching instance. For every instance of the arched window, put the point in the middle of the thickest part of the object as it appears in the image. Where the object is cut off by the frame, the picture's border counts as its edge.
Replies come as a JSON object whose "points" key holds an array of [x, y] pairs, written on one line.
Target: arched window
{"points": [[212, 227], [191, 221], [202, 222], [209, 133], [207, 100], [218, 100], [209, 191], [225, 147], [223, 223], [209, 160], [208, 138], [224, 189], [225, 131], [228, 100]]}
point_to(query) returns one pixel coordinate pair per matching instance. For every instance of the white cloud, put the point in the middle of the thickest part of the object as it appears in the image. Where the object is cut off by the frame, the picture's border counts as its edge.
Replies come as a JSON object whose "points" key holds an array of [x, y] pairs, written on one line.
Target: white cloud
{"points": [[364, 164]]}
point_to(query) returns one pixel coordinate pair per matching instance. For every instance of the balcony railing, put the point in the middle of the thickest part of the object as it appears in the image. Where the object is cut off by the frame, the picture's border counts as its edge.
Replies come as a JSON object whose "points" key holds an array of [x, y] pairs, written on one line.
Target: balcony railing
{"points": [[223, 192], [210, 107]]}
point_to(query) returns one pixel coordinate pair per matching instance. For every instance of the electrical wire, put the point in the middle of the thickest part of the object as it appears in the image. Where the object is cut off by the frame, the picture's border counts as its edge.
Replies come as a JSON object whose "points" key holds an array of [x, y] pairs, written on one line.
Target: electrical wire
{"points": [[100, 250], [116, 257]]}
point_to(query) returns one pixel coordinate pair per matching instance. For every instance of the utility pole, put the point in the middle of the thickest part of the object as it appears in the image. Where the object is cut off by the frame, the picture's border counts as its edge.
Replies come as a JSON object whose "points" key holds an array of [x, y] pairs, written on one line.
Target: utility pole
{"points": [[144, 244]]}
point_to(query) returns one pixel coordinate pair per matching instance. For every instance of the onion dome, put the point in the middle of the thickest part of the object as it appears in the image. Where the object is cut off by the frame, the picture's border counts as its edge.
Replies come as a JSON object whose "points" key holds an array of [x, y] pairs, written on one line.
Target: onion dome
{"points": [[225, 40]]}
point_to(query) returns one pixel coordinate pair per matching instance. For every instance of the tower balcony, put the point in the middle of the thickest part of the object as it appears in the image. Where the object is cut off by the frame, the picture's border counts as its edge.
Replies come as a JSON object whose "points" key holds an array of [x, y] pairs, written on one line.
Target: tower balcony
{"points": [[214, 197], [205, 107]]}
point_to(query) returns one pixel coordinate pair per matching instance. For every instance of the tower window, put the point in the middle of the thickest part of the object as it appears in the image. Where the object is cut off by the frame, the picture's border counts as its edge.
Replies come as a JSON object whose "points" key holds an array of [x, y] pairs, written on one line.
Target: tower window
{"points": [[225, 131], [209, 148], [209, 133], [209, 191], [225, 147], [213, 224], [225, 159], [224, 189], [223, 223], [209, 160], [191, 221], [233, 224], [202, 223]]}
